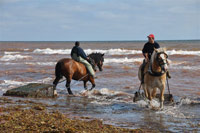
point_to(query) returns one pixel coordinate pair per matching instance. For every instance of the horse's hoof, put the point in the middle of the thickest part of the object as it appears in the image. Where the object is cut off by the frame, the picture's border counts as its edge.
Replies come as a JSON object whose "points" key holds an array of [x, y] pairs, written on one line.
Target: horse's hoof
{"points": [[91, 89], [161, 109], [55, 94], [71, 94]]}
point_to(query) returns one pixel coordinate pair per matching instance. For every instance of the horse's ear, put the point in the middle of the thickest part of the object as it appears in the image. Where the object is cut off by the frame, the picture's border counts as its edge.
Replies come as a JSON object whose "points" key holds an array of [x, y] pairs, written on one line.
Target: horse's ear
{"points": [[102, 54]]}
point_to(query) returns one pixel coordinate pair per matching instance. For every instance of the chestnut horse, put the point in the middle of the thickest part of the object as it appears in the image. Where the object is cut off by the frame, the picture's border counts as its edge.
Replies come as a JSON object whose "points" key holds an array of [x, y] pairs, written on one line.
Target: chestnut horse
{"points": [[72, 69], [155, 73]]}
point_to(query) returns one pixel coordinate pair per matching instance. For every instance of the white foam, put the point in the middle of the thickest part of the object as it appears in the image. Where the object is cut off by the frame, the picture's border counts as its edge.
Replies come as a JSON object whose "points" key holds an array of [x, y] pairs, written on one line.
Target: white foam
{"points": [[41, 63], [106, 96], [12, 82], [18, 83], [186, 67], [13, 57], [146, 102], [26, 49], [183, 52], [45, 80], [52, 51], [172, 111], [122, 60], [88, 51], [142, 103], [105, 91], [9, 63], [11, 52], [112, 51]]}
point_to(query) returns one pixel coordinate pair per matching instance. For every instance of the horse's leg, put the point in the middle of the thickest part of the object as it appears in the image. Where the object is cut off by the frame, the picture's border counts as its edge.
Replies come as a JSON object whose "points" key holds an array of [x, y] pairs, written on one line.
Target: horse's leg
{"points": [[162, 96], [154, 93], [69, 78], [145, 90], [149, 90], [85, 84], [91, 79], [55, 82]]}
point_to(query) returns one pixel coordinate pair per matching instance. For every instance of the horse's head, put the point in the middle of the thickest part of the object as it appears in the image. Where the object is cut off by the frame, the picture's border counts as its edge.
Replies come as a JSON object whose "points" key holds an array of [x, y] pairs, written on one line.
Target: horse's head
{"points": [[161, 56], [98, 59]]}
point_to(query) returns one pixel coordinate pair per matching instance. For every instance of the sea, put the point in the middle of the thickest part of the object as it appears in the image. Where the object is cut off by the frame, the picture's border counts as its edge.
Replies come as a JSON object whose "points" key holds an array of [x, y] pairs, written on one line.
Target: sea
{"points": [[34, 62]]}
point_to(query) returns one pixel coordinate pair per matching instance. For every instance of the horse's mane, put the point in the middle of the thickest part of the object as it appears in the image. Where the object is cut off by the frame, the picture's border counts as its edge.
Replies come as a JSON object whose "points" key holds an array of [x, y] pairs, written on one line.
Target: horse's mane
{"points": [[96, 56], [153, 56]]}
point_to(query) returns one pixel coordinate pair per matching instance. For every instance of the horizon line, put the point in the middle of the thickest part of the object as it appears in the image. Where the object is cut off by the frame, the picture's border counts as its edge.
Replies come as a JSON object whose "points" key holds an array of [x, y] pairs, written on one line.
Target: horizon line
{"points": [[107, 40]]}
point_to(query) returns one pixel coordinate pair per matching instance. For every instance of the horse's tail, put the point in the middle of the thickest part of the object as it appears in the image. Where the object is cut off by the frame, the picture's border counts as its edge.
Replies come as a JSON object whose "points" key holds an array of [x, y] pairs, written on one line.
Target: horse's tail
{"points": [[58, 72]]}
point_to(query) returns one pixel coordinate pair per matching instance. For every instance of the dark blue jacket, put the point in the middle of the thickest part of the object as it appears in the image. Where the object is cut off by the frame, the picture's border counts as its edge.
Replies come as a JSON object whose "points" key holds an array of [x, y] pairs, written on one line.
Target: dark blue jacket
{"points": [[149, 48], [79, 51]]}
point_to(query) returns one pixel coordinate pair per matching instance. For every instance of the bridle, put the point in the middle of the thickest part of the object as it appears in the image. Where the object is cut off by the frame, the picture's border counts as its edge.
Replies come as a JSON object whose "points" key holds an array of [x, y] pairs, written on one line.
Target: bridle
{"points": [[161, 63], [160, 60]]}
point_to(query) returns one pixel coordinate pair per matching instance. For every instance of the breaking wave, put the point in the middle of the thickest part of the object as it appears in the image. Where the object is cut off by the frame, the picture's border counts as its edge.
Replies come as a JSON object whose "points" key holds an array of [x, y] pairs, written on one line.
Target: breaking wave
{"points": [[9, 57], [88, 51], [41, 63], [112, 51], [122, 60], [11, 52], [183, 52]]}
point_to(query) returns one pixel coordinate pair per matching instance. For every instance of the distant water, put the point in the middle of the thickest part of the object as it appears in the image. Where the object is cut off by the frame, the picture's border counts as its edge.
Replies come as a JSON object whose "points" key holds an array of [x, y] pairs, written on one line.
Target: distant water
{"points": [[25, 62]]}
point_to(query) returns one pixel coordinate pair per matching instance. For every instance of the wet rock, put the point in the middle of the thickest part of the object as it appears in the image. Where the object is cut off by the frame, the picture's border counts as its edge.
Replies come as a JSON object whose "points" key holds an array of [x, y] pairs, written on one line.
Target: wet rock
{"points": [[32, 90]]}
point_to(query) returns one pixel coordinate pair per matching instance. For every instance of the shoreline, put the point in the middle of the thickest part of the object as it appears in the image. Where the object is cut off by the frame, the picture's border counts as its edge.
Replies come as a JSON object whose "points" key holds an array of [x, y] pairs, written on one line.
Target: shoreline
{"points": [[29, 116]]}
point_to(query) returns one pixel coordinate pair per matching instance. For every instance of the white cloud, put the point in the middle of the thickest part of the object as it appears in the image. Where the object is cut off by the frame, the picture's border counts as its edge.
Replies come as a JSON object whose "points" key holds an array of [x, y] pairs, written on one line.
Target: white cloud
{"points": [[108, 18]]}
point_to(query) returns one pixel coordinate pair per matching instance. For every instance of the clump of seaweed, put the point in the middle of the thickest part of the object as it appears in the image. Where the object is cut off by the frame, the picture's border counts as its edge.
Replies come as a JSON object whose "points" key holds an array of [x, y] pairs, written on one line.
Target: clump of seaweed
{"points": [[29, 116], [34, 120]]}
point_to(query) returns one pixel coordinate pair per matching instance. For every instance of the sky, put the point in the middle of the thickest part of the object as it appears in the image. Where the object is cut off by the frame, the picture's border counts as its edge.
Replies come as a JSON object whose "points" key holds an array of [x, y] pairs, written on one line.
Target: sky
{"points": [[98, 20]]}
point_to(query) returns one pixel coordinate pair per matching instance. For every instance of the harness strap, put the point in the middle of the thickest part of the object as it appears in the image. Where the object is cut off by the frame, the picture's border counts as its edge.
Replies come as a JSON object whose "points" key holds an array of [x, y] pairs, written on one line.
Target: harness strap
{"points": [[152, 73], [168, 85]]}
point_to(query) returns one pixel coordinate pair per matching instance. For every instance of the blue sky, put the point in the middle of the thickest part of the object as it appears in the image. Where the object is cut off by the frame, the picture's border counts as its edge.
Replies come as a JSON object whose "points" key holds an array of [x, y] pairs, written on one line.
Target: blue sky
{"points": [[98, 20]]}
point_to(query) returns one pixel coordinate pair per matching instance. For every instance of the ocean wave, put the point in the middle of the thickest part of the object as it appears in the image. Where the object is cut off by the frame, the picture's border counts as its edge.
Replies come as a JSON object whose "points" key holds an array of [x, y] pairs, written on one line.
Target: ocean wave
{"points": [[14, 83], [13, 57], [185, 67], [41, 63], [88, 51], [112, 51], [122, 60], [52, 51], [11, 52], [183, 52], [26, 49]]}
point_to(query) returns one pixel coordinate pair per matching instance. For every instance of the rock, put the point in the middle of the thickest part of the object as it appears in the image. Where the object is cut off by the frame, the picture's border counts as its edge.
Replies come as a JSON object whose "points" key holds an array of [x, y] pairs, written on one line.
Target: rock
{"points": [[37, 90]]}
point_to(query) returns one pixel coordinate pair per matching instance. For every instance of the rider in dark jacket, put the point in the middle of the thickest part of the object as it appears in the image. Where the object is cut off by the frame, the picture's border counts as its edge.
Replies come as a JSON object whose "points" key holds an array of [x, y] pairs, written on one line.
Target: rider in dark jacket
{"points": [[79, 55], [79, 51], [148, 51]]}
